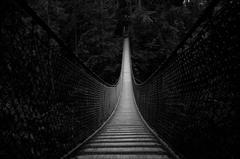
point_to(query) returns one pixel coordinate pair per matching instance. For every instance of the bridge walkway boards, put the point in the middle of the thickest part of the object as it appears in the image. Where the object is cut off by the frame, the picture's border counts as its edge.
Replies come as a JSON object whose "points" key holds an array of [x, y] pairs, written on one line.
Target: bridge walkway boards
{"points": [[125, 136]]}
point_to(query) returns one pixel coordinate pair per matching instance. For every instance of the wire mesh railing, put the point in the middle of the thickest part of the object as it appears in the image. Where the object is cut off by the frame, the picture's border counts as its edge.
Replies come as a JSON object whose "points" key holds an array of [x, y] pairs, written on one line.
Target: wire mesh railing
{"points": [[49, 102], [192, 100]]}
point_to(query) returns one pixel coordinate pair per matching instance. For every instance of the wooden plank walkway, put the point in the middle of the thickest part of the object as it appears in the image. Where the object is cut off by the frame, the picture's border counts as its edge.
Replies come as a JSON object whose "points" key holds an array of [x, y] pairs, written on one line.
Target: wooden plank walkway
{"points": [[125, 136]]}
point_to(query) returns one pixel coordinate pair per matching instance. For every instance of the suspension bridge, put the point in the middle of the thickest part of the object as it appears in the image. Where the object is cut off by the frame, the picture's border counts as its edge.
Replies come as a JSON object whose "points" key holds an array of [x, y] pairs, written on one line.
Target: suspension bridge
{"points": [[53, 106], [125, 134]]}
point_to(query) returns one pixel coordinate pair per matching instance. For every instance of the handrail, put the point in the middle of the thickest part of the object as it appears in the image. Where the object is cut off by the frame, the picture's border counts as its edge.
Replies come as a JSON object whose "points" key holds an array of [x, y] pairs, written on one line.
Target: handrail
{"points": [[56, 100], [192, 100]]}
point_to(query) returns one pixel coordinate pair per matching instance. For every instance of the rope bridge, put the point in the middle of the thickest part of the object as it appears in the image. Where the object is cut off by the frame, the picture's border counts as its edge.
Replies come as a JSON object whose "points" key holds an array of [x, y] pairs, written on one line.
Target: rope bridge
{"points": [[50, 102]]}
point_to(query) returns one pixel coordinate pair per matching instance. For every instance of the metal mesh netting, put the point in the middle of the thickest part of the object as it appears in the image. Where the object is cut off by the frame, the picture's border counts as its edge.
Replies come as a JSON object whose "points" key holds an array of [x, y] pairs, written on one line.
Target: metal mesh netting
{"points": [[192, 100], [48, 103]]}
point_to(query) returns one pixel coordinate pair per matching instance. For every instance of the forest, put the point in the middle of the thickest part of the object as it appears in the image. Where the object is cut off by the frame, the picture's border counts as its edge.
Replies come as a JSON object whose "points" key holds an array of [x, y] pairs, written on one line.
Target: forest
{"points": [[50, 99], [91, 29]]}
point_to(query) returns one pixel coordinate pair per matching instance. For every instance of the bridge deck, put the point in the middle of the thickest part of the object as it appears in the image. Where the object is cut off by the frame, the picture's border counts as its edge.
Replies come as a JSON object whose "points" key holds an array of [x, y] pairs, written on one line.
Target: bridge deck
{"points": [[125, 136]]}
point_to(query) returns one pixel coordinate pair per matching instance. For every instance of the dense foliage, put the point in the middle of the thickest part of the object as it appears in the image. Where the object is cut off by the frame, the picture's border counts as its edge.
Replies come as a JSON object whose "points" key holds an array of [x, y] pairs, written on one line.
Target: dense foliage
{"points": [[158, 30], [89, 27]]}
